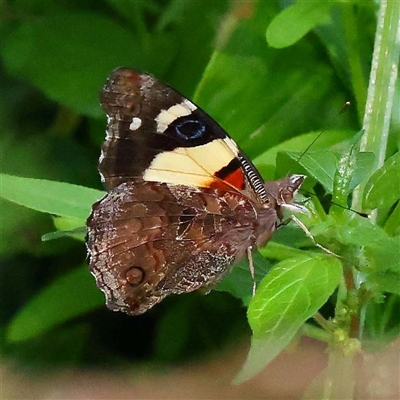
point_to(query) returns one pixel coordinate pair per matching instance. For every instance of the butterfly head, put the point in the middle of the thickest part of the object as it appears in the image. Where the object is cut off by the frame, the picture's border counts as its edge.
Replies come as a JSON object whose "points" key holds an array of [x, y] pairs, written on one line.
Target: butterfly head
{"points": [[282, 192]]}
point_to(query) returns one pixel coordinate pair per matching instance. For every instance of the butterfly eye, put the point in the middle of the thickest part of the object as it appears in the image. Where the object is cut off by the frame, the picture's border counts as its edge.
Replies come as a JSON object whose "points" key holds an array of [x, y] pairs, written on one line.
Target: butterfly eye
{"points": [[190, 129], [135, 275]]}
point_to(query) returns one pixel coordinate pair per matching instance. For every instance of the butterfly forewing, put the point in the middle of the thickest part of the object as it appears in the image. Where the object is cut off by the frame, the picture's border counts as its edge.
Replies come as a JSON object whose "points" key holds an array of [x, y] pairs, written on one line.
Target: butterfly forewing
{"points": [[155, 134]]}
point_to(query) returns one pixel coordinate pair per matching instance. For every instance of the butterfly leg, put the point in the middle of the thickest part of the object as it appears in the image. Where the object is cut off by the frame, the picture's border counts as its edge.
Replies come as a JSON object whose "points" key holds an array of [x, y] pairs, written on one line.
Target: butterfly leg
{"points": [[251, 268], [311, 237]]}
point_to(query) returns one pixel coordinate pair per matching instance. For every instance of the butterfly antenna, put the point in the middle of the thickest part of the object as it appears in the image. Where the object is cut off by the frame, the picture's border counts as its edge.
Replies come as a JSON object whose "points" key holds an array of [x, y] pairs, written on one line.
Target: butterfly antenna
{"points": [[341, 111], [364, 215]]}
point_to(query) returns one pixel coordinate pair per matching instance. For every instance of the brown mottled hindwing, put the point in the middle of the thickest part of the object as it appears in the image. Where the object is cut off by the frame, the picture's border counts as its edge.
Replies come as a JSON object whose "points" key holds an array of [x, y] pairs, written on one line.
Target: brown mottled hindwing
{"points": [[149, 240]]}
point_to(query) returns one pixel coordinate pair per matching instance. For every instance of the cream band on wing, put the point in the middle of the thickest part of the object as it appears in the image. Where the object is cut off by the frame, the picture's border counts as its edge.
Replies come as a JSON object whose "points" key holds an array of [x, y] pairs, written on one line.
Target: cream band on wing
{"points": [[166, 117], [192, 166]]}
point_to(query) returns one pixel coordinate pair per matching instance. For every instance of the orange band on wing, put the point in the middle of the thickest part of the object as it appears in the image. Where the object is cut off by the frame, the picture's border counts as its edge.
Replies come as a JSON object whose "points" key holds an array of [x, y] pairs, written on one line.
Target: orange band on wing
{"points": [[236, 179], [231, 175]]}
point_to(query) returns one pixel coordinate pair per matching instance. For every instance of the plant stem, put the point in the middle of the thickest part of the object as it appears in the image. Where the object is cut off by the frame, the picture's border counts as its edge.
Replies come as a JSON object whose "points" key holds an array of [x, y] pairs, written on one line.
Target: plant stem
{"points": [[378, 108], [322, 321], [316, 333], [340, 380]]}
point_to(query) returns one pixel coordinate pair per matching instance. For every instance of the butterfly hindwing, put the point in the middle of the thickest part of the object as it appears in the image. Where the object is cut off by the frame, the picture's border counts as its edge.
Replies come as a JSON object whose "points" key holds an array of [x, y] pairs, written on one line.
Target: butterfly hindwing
{"points": [[149, 240]]}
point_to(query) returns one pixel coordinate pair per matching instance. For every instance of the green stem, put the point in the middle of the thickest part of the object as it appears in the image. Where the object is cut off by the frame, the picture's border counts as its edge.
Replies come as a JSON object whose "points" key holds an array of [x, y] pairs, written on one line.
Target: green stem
{"points": [[380, 97], [378, 108], [340, 380], [316, 333], [322, 322]]}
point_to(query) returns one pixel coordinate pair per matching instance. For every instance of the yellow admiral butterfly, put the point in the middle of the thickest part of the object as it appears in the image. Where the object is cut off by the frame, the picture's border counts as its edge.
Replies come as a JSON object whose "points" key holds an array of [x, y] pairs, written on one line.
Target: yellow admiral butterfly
{"points": [[183, 204]]}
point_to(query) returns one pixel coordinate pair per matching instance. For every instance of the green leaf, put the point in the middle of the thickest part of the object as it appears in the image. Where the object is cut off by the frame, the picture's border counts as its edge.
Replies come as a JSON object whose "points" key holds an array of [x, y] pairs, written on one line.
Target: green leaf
{"points": [[343, 229], [280, 252], [392, 224], [77, 233], [383, 188], [65, 298], [302, 284], [259, 100], [357, 230], [239, 282], [364, 165], [57, 198], [67, 227], [320, 165], [192, 51], [296, 21], [386, 282], [327, 140], [68, 223], [291, 293], [69, 55], [383, 254], [382, 269], [344, 174]]}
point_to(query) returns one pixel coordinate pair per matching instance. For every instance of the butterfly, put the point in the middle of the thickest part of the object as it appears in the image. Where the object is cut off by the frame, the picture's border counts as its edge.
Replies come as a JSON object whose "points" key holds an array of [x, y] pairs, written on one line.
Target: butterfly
{"points": [[183, 204]]}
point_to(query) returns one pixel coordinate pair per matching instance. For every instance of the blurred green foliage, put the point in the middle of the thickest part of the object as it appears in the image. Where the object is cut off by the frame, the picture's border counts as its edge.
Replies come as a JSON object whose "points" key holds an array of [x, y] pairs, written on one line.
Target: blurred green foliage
{"points": [[236, 64]]}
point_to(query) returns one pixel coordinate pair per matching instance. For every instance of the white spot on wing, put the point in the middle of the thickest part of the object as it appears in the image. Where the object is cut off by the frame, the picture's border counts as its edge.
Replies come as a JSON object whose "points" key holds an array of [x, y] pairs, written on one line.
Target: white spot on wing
{"points": [[166, 117], [135, 124], [147, 83], [101, 158], [189, 105]]}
